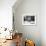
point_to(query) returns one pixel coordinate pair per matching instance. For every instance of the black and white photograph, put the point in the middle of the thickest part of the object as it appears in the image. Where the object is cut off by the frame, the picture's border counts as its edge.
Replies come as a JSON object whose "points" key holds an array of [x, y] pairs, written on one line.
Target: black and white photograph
{"points": [[29, 20]]}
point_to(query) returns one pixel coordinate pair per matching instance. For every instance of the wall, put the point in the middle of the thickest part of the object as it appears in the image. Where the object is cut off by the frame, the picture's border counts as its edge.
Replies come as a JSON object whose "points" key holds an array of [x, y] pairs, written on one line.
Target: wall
{"points": [[6, 13], [29, 32], [43, 22], [37, 32]]}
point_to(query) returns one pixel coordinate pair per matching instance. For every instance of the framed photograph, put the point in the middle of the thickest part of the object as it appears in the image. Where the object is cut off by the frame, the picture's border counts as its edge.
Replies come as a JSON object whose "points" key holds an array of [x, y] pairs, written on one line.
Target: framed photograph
{"points": [[29, 19]]}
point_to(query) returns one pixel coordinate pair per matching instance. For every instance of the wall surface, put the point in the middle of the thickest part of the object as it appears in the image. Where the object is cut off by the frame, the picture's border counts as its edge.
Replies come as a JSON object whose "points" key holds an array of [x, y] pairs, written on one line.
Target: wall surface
{"points": [[35, 32], [43, 22], [6, 13]]}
